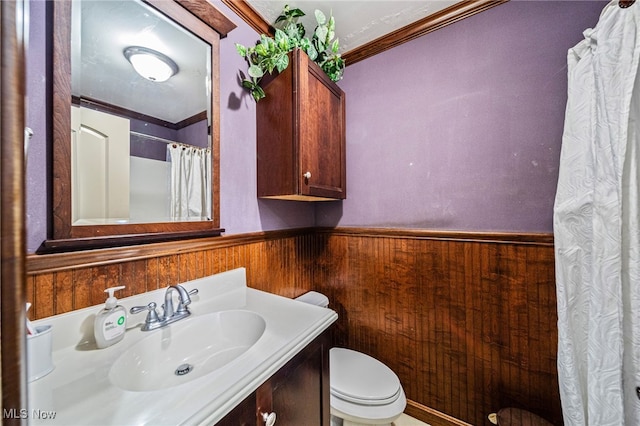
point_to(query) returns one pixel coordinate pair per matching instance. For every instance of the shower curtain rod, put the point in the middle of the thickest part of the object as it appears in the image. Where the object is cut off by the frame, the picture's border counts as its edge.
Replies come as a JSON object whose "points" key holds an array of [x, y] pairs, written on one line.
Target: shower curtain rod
{"points": [[153, 138], [625, 3], [163, 140]]}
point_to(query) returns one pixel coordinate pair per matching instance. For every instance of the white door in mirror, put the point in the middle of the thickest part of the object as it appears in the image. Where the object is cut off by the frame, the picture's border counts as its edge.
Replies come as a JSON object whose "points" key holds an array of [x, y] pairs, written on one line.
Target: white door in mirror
{"points": [[99, 165]]}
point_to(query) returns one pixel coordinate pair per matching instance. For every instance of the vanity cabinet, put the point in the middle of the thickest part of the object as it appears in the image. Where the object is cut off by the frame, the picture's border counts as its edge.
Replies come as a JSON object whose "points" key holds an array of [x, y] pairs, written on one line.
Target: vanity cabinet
{"points": [[301, 134], [298, 393]]}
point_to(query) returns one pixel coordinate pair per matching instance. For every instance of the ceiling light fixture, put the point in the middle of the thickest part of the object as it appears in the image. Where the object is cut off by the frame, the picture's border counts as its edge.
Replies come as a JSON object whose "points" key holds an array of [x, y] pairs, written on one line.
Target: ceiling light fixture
{"points": [[150, 64]]}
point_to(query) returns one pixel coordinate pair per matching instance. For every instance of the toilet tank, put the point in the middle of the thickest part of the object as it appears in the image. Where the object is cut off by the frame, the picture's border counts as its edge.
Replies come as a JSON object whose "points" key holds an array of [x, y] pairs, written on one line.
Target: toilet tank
{"points": [[314, 298]]}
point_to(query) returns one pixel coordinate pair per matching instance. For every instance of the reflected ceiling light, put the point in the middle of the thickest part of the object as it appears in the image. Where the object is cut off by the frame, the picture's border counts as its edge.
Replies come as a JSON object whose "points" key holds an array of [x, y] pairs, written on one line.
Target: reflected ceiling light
{"points": [[150, 64]]}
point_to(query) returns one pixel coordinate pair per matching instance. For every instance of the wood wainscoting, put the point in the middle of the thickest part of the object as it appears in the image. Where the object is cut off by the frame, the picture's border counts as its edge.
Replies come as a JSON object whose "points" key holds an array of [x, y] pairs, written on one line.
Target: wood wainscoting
{"points": [[466, 320], [276, 261]]}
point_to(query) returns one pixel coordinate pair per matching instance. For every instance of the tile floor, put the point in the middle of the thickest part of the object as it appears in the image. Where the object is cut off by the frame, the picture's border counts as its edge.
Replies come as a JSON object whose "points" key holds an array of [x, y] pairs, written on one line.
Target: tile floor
{"points": [[405, 420]]}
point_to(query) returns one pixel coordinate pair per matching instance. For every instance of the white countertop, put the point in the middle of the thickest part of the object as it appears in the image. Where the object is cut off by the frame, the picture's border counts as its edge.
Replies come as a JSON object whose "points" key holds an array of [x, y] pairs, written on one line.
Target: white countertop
{"points": [[78, 391]]}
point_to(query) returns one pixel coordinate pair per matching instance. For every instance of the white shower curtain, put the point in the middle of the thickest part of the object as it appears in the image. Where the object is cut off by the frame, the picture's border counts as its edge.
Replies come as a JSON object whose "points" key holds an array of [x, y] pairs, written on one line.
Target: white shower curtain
{"points": [[596, 216], [190, 182]]}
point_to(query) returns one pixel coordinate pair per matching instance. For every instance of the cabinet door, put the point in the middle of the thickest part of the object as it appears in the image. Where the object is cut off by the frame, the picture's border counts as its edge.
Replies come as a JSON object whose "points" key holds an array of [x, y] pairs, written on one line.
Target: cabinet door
{"points": [[299, 393], [244, 414], [322, 135]]}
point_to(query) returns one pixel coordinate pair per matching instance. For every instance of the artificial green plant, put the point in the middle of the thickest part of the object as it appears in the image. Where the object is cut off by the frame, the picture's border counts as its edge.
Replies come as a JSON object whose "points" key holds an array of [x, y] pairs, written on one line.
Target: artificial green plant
{"points": [[270, 53]]}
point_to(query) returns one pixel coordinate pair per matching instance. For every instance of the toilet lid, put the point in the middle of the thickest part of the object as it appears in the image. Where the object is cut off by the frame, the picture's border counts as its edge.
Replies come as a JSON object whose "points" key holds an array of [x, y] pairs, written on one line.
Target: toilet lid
{"points": [[361, 379]]}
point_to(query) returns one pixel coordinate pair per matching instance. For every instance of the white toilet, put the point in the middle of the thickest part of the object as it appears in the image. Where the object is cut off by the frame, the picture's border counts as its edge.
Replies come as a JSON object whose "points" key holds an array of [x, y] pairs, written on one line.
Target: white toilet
{"points": [[364, 391]]}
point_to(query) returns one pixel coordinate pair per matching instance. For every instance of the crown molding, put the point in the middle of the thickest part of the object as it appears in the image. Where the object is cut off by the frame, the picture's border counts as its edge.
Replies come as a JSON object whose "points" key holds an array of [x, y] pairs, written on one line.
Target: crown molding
{"points": [[438, 20], [250, 16], [454, 13]]}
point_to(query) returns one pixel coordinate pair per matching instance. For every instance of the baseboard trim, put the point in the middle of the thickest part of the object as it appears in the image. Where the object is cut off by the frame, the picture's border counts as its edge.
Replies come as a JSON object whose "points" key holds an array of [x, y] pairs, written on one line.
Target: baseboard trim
{"points": [[431, 416]]}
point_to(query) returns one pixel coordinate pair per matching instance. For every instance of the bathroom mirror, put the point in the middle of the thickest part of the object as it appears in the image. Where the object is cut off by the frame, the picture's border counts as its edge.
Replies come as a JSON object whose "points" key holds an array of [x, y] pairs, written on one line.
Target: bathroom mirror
{"points": [[121, 135]]}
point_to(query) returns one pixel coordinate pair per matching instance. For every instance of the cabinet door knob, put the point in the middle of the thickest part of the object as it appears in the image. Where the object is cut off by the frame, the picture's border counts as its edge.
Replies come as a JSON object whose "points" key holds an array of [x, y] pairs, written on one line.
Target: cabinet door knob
{"points": [[307, 175], [269, 419]]}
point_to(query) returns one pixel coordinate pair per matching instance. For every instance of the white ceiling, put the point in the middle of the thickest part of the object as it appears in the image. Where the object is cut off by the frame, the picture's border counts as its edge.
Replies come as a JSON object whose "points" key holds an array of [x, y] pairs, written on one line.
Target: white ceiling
{"points": [[100, 71], [357, 21]]}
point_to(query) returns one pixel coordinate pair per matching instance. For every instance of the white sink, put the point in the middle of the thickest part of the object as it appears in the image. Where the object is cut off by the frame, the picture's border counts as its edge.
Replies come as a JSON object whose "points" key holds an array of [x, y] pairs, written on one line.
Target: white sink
{"points": [[186, 350], [236, 338]]}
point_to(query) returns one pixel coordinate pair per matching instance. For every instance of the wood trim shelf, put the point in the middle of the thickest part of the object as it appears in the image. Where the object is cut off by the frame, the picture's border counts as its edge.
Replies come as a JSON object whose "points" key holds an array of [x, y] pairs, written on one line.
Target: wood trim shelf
{"points": [[545, 239], [38, 264]]}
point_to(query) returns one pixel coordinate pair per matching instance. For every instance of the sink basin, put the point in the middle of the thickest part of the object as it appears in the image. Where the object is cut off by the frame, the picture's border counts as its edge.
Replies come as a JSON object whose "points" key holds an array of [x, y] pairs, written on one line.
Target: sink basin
{"points": [[186, 350]]}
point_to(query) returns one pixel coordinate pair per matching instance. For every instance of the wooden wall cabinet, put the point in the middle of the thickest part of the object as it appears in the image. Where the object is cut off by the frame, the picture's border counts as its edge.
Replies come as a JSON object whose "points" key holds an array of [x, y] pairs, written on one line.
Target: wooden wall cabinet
{"points": [[298, 393], [301, 134]]}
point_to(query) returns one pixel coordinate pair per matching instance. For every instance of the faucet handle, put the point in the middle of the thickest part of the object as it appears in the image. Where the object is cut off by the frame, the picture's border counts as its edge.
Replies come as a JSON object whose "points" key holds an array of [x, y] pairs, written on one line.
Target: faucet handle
{"points": [[182, 306], [152, 316]]}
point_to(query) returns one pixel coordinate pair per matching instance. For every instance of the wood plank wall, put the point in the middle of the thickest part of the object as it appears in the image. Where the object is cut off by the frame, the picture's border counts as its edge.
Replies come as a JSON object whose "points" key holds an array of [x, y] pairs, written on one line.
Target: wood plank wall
{"points": [[60, 283], [467, 321], [468, 325]]}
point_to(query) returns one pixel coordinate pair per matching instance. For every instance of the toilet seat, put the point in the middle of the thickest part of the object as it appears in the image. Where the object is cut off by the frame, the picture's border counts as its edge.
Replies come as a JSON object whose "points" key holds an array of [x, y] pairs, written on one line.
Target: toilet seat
{"points": [[360, 379]]}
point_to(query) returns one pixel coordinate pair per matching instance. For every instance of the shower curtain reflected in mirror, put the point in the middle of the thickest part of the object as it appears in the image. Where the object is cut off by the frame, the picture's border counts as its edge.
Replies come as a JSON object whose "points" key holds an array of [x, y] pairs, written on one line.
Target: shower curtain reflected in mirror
{"points": [[596, 226], [190, 180]]}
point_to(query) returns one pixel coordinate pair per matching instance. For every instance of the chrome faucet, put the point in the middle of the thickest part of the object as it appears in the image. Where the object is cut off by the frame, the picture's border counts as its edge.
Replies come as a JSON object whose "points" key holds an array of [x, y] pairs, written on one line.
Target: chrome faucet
{"points": [[169, 314], [184, 301]]}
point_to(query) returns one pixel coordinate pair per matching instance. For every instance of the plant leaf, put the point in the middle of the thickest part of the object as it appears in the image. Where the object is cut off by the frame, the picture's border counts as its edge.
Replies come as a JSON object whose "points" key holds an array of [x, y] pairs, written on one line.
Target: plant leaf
{"points": [[301, 30], [311, 52], [332, 24], [292, 32], [255, 71], [271, 53], [283, 15], [321, 34], [261, 50], [335, 46], [290, 16], [257, 93], [320, 18], [295, 13], [248, 84], [305, 43], [282, 40], [282, 62], [242, 51]]}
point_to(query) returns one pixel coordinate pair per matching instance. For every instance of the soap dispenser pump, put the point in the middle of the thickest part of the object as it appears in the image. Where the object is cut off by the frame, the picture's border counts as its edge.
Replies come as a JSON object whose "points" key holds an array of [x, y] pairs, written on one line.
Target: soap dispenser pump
{"points": [[110, 322]]}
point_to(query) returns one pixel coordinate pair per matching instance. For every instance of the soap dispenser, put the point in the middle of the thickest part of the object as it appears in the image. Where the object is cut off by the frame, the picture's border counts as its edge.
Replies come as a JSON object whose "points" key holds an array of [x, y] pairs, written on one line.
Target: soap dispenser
{"points": [[111, 321]]}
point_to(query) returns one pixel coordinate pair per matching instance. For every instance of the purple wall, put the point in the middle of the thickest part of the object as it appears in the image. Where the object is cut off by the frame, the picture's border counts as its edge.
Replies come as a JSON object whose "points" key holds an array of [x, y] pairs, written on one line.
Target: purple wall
{"points": [[240, 209], [195, 134], [144, 147], [461, 129], [38, 118]]}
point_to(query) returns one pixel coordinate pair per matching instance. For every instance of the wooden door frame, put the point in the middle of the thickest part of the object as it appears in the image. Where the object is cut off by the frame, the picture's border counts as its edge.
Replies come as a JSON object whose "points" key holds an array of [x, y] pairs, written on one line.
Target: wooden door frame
{"points": [[12, 212]]}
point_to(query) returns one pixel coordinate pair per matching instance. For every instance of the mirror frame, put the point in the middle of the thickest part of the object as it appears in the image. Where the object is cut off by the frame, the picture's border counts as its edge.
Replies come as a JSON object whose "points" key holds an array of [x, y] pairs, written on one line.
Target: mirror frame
{"points": [[200, 18]]}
